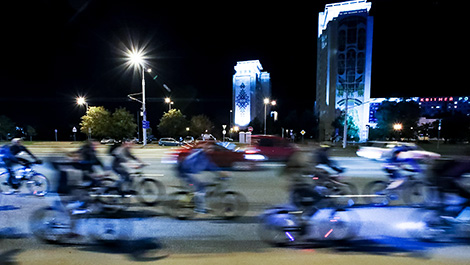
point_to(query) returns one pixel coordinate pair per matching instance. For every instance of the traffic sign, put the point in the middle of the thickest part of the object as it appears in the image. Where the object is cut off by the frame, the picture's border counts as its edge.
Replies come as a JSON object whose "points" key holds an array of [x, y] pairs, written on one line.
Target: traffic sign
{"points": [[302, 132], [146, 124], [250, 129]]}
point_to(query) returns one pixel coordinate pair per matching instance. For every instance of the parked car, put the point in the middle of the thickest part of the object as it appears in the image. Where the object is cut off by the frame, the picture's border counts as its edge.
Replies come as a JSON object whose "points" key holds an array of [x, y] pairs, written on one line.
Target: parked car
{"points": [[273, 147], [381, 150], [224, 155], [168, 142], [108, 140]]}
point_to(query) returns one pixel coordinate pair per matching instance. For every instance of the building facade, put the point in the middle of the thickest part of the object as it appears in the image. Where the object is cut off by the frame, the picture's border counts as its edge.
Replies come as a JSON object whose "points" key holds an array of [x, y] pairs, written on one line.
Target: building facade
{"points": [[250, 87], [431, 107], [344, 61]]}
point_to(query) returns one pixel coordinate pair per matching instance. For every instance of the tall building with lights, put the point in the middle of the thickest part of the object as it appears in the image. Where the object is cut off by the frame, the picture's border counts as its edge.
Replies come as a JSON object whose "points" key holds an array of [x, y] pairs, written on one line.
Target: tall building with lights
{"points": [[344, 59], [250, 86]]}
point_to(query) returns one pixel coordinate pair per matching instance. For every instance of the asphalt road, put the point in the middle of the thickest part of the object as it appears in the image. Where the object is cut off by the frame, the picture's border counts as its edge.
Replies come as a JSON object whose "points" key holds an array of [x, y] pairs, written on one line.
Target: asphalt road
{"points": [[209, 241]]}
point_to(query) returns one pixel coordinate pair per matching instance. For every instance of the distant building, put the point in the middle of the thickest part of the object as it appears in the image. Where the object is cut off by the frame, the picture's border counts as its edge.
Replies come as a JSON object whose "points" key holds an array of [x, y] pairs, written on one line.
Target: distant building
{"points": [[344, 59], [250, 87], [430, 106]]}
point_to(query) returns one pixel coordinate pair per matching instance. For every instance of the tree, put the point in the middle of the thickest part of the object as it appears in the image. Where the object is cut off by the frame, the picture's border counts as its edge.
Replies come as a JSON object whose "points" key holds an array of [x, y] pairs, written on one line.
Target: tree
{"points": [[199, 124], [30, 131], [353, 129], [7, 127], [122, 124], [98, 121], [173, 123], [390, 113]]}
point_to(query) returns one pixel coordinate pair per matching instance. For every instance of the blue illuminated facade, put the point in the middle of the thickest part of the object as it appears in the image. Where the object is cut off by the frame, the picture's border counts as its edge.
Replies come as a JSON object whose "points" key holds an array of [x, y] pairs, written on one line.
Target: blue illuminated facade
{"points": [[250, 86], [344, 63]]}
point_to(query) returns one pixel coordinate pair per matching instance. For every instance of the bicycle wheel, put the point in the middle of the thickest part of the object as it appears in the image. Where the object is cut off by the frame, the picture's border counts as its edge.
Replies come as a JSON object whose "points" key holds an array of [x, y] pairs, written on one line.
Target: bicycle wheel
{"points": [[334, 225], [229, 204], [38, 184], [280, 229], [150, 191], [344, 190], [181, 205], [376, 188], [113, 200], [50, 225], [417, 194], [428, 225]]}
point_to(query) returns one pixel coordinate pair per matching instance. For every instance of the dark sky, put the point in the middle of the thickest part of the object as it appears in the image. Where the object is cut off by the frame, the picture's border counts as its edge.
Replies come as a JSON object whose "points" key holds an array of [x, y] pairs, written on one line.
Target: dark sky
{"points": [[53, 51]]}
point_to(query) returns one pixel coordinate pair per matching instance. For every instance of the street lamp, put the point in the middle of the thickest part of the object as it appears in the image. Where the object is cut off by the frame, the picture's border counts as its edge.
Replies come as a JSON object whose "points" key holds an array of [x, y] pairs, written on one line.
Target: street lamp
{"points": [[266, 102], [136, 58], [397, 126], [82, 101], [169, 102]]}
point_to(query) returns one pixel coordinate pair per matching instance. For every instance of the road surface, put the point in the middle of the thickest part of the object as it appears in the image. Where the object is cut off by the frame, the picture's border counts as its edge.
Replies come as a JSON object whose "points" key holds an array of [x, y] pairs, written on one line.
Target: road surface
{"points": [[208, 241]]}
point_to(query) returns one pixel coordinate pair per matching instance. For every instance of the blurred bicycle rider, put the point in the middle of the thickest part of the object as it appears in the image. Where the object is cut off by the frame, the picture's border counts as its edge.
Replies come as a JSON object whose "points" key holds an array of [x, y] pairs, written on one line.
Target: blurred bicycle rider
{"points": [[122, 154], [322, 157], [10, 158], [396, 166], [83, 159], [197, 161]]}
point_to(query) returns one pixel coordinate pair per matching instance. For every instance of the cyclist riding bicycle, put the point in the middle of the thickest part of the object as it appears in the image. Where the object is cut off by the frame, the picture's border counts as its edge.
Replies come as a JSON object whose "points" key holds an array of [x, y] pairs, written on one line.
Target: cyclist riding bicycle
{"points": [[321, 157], [396, 166], [122, 154], [10, 158], [449, 176], [197, 161]]}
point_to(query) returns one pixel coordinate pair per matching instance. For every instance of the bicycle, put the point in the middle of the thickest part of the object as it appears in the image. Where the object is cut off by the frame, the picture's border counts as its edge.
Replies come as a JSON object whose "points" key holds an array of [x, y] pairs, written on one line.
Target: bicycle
{"points": [[412, 191], [148, 191], [220, 200], [36, 182], [307, 186]]}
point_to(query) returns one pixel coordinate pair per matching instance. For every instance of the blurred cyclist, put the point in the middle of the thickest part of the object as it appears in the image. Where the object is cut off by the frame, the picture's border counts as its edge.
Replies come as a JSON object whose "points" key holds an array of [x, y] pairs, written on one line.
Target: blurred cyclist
{"points": [[121, 155], [321, 157], [10, 158], [396, 166], [450, 176], [197, 161], [83, 159]]}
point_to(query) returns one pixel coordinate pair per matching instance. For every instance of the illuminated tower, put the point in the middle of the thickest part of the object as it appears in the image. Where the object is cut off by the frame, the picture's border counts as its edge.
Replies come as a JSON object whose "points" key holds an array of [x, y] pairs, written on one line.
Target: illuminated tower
{"points": [[250, 87], [344, 59]]}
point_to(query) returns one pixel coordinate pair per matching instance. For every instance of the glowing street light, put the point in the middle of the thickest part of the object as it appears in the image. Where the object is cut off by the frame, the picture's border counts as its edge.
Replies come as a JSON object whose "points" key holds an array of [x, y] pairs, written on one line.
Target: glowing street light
{"points": [[267, 101], [397, 126], [82, 101], [136, 58]]}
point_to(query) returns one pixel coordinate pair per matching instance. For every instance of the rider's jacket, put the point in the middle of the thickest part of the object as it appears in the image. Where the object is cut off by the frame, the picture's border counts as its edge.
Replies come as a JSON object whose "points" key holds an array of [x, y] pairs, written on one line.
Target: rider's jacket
{"points": [[196, 162]]}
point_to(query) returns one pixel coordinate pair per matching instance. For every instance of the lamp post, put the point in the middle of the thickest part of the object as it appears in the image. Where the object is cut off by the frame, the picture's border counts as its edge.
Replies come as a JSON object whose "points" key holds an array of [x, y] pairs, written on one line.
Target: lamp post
{"points": [[82, 101], [398, 127], [136, 58], [266, 102], [169, 102]]}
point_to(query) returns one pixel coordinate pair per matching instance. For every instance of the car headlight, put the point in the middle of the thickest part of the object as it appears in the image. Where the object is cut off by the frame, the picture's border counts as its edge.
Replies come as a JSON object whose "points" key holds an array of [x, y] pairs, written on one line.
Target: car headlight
{"points": [[254, 157]]}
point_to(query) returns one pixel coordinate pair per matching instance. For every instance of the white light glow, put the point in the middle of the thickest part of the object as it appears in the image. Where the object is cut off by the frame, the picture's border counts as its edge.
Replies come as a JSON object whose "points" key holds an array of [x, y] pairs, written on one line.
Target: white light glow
{"points": [[332, 11]]}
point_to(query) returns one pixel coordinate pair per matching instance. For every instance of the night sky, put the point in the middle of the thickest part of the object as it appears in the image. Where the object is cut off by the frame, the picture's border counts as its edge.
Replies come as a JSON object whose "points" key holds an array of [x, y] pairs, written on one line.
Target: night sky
{"points": [[54, 51]]}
